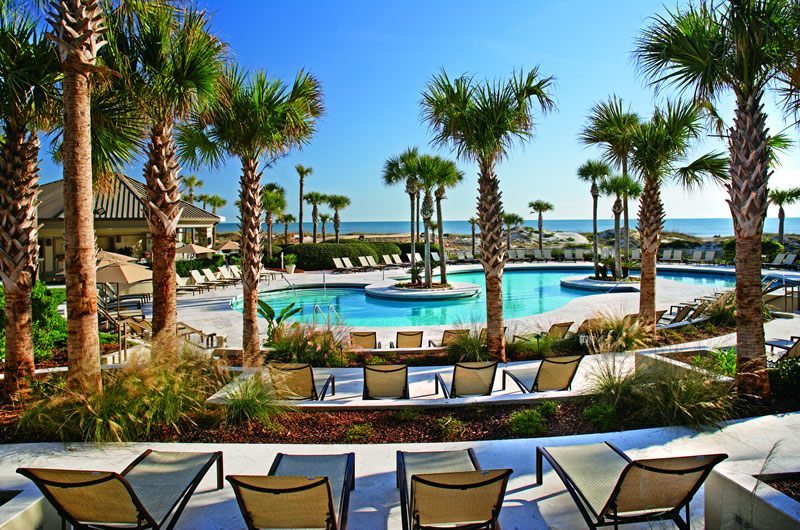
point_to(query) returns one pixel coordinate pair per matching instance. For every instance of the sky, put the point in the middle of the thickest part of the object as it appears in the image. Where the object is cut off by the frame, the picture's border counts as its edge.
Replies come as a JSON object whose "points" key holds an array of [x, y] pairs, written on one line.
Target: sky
{"points": [[374, 58]]}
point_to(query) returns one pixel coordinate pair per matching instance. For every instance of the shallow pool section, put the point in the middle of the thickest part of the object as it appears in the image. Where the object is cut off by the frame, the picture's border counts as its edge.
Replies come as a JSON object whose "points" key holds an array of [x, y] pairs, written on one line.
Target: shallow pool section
{"points": [[525, 293]]}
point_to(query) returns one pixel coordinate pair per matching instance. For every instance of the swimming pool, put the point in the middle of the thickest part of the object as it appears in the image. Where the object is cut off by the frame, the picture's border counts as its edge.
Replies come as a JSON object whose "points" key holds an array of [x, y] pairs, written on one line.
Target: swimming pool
{"points": [[525, 293]]}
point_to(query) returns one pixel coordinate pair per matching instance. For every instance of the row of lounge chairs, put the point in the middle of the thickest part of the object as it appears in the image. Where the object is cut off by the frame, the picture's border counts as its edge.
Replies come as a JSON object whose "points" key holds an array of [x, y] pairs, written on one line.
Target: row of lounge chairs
{"points": [[368, 263], [438, 489], [368, 340], [783, 261], [697, 256]]}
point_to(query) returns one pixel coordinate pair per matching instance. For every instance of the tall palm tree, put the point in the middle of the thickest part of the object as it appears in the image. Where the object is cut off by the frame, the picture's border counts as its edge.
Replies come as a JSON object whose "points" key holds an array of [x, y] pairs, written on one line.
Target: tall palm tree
{"points": [[214, 202], [315, 199], [257, 120], [481, 120], [539, 207], [781, 198], [190, 184], [203, 199], [78, 29], [512, 222], [285, 219], [28, 77], [443, 174], [473, 222], [612, 126], [179, 64], [402, 169], [324, 219], [273, 202], [594, 171], [302, 173], [618, 187], [661, 146], [337, 203], [744, 45]]}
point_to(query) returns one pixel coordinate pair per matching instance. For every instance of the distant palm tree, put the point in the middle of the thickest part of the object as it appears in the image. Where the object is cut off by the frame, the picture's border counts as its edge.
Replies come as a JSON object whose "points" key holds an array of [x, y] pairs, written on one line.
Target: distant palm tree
{"points": [[619, 186], [612, 126], [337, 203], [594, 171], [781, 198], [324, 219], [285, 219], [302, 173], [190, 184], [539, 207], [512, 221], [402, 169], [315, 199], [481, 120], [214, 202], [273, 202], [203, 199], [473, 221]]}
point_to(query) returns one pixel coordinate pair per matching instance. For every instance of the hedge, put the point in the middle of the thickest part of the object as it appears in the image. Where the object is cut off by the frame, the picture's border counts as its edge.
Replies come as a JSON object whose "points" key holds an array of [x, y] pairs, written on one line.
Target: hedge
{"points": [[405, 248], [184, 266], [769, 247], [313, 257]]}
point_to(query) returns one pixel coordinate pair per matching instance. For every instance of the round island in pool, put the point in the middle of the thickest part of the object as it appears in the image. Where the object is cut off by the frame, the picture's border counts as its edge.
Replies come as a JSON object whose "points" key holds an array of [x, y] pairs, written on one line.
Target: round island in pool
{"points": [[389, 291]]}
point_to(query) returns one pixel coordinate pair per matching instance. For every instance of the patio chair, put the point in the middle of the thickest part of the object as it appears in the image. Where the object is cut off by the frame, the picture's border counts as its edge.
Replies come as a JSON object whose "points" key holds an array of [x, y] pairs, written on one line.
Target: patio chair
{"points": [[557, 331], [553, 373], [777, 261], [448, 489], [630, 319], [151, 492], [666, 255], [470, 257], [348, 265], [374, 264], [709, 256], [569, 255], [338, 265], [387, 260], [299, 491], [792, 347], [365, 340], [407, 339], [678, 317], [789, 262], [385, 381], [589, 325], [468, 379], [199, 280], [482, 336], [296, 382], [213, 280], [228, 276], [697, 256], [449, 336], [435, 256], [460, 257], [610, 488], [537, 255], [182, 286], [677, 256], [397, 260], [605, 253]]}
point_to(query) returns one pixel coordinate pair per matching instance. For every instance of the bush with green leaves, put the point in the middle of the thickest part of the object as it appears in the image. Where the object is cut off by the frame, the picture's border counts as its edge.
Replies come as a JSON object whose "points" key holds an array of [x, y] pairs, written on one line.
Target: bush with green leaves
{"points": [[601, 415], [406, 415], [467, 348], [784, 378], [319, 256], [251, 399], [297, 343], [450, 428], [184, 267], [359, 432], [527, 423], [49, 327], [275, 320], [721, 361], [769, 248]]}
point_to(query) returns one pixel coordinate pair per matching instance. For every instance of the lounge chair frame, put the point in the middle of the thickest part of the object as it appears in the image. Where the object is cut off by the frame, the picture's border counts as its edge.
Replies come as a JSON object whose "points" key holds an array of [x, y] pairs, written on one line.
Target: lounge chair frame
{"points": [[535, 386], [609, 516], [385, 369], [407, 335], [439, 381], [330, 382], [146, 520]]}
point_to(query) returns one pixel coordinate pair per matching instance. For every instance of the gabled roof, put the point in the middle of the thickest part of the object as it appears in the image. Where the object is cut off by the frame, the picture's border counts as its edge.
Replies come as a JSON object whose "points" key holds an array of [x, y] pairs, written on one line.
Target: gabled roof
{"points": [[126, 200]]}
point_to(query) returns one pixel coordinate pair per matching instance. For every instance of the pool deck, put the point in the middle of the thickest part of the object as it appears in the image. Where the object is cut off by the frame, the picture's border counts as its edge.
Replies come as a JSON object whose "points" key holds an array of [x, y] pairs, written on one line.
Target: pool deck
{"points": [[212, 311]]}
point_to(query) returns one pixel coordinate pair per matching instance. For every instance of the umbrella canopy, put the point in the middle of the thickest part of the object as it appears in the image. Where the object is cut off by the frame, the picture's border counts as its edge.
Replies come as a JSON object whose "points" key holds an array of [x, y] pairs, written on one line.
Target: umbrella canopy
{"points": [[194, 249], [104, 255], [123, 273], [229, 246]]}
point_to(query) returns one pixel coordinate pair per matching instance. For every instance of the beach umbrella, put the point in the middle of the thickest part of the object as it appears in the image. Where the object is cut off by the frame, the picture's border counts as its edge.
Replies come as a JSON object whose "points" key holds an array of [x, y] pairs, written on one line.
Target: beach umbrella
{"points": [[194, 249], [105, 255], [230, 246], [123, 274]]}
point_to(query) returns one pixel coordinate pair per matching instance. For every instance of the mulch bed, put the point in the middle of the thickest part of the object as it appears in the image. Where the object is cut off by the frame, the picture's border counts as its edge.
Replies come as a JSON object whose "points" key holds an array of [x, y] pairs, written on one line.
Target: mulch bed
{"points": [[788, 486], [59, 357], [690, 333]]}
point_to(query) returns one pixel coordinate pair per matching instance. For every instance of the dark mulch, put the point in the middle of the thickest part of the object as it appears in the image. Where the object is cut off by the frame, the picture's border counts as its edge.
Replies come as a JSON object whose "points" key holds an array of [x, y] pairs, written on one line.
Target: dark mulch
{"points": [[787, 485], [59, 357], [689, 334]]}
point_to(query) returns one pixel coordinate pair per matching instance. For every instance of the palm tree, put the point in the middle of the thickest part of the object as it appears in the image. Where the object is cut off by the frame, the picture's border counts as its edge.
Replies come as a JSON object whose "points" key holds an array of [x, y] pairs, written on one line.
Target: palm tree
{"points": [[179, 64], [214, 202], [781, 198], [539, 207], [481, 120], [28, 77], [273, 202], [594, 171], [284, 219], [512, 222], [473, 221], [324, 218], [315, 199], [448, 176], [402, 169], [257, 120], [612, 126], [203, 199], [302, 173], [619, 186], [660, 148], [337, 203], [744, 45]]}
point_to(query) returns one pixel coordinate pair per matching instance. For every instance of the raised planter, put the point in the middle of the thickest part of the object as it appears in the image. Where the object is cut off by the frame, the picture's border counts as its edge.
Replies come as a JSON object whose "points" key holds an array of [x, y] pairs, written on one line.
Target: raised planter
{"points": [[585, 283], [388, 290]]}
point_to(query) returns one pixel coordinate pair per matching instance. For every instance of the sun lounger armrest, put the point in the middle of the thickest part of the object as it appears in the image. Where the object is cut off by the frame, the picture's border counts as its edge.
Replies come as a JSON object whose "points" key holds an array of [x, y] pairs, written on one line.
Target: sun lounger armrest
{"points": [[432, 344], [520, 384], [330, 382], [391, 344], [440, 383]]}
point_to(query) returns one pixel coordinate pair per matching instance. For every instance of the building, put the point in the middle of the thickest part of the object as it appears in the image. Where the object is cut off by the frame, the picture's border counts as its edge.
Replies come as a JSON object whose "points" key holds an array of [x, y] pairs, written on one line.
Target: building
{"points": [[119, 222]]}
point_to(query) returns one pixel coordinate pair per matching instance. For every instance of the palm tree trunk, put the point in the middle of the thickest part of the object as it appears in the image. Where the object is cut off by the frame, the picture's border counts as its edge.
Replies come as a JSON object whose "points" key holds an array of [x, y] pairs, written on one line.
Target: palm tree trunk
{"points": [[493, 257], [83, 339], [411, 197], [781, 218], [617, 209], [163, 213], [323, 232], [651, 222], [749, 172], [336, 224], [595, 195], [419, 207], [442, 250], [427, 252], [541, 227], [627, 232], [269, 234], [473, 240], [300, 214], [314, 220], [250, 201], [286, 233], [19, 191]]}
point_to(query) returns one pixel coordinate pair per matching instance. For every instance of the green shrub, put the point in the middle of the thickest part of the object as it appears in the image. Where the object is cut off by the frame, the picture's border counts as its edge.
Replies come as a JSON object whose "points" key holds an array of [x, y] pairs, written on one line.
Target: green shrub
{"points": [[49, 328], [721, 361], [467, 348], [784, 378], [527, 423], [185, 266], [614, 334], [601, 415], [297, 343], [251, 399], [769, 248], [406, 415], [311, 257], [548, 408], [384, 247], [450, 428], [405, 248], [359, 433]]}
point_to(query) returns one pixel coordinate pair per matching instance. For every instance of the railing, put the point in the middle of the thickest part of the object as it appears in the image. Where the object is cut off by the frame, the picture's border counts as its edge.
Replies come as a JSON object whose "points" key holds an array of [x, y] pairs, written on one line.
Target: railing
{"points": [[327, 317], [290, 284]]}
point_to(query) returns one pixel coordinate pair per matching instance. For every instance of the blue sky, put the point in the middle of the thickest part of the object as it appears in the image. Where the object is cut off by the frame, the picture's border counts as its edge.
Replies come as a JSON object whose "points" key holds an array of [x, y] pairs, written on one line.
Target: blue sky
{"points": [[374, 58]]}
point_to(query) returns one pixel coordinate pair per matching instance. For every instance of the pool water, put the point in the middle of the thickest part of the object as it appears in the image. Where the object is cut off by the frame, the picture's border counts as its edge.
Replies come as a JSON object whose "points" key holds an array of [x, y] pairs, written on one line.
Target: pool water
{"points": [[525, 293]]}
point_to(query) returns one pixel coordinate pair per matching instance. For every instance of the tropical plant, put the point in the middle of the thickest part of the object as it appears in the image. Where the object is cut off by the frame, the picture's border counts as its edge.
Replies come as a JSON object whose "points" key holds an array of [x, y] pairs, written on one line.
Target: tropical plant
{"points": [[190, 184], [315, 199], [614, 333], [215, 202], [302, 173], [276, 320], [251, 399], [619, 186], [257, 120], [612, 127], [467, 347], [324, 219], [781, 198], [512, 221], [296, 343], [594, 171], [202, 198], [285, 219], [481, 120], [402, 169], [273, 202], [473, 222], [446, 175], [539, 207], [28, 76], [739, 46], [337, 203]]}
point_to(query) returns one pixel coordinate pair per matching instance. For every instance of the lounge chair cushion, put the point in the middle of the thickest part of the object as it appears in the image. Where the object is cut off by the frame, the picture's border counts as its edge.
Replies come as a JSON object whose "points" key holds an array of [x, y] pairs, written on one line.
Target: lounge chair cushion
{"points": [[421, 463], [473, 503], [279, 508], [387, 381], [334, 467]]}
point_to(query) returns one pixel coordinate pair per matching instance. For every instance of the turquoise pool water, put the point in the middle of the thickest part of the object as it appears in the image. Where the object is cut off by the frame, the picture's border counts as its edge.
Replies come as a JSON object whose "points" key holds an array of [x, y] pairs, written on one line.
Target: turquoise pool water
{"points": [[525, 293]]}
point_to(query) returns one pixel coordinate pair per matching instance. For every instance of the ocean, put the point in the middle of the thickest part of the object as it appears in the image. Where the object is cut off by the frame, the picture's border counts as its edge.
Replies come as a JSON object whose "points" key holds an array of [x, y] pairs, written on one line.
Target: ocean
{"points": [[694, 227]]}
